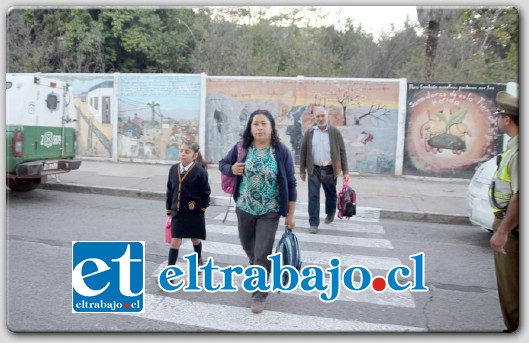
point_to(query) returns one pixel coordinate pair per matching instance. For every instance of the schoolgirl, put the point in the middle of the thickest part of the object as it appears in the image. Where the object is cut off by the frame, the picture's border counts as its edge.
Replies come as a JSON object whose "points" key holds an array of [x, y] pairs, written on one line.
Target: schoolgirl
{"points": [[188, 196]]}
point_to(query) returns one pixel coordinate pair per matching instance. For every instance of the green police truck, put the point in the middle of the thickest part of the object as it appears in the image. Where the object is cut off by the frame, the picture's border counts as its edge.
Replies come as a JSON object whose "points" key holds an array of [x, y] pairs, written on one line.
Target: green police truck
{"points": [[40, 130]]}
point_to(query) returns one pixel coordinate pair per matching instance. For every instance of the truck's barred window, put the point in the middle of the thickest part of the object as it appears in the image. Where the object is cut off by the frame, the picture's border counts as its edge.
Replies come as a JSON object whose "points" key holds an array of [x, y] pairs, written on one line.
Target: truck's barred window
{"points": [[52, 101]]}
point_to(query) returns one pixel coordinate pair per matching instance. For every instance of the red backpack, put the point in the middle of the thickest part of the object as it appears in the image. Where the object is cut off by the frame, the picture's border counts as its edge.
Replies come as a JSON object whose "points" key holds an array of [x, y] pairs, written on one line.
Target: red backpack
{"points": [[346, 205]]}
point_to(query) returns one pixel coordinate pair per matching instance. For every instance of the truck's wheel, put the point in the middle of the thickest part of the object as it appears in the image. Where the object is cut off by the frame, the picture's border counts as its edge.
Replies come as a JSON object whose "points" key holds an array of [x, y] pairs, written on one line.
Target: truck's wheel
{"points": [[23, 185]]}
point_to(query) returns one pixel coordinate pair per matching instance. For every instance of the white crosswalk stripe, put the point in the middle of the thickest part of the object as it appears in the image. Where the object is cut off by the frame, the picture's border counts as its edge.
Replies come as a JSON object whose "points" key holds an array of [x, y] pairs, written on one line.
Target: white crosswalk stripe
{"points": [[337, 225], [238, 319], [307, 256], [362, 213], [320, 238], [365, 234]]}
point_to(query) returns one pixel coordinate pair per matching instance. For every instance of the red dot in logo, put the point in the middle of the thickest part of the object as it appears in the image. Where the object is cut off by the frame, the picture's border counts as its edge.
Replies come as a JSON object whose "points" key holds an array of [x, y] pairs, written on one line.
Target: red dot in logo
{"points": [[379, 284], [127, 305]]}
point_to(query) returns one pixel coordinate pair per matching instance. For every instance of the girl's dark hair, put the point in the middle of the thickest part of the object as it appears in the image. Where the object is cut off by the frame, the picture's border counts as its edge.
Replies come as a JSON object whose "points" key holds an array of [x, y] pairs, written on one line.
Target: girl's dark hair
{"points": [[196, 149], [247, 137]]}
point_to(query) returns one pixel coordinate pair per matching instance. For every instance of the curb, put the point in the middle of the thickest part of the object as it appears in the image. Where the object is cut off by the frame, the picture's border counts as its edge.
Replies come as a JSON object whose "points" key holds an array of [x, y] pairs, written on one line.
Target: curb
{"points": [[115, 191], [430, 217]]}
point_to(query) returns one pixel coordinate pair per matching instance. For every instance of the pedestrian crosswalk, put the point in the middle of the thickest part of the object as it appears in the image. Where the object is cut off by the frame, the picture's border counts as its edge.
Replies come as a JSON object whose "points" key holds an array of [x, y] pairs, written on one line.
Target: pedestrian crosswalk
{"points": [[324, 239], [339, 225], [360, 234], [239, 319], [385, 298]]}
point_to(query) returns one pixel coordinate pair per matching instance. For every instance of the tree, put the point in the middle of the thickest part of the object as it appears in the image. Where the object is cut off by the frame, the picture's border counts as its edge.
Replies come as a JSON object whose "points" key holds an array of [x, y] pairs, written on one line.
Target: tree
{"points": [[346, 97], [18, 46], [395, 50], [477, 45], [430, 19], [459, 44], [376, 111], [34, 42], [496, 32]]}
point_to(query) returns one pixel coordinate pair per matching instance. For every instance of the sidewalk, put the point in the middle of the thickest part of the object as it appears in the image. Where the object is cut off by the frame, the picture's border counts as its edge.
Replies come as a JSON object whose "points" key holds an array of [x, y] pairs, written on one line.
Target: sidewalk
{"points": [[404, 198]]}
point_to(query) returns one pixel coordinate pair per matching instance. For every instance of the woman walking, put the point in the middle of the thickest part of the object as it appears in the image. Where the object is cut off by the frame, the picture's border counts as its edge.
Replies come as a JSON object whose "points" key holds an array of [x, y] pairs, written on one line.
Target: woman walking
{"points": [[265, 190]]}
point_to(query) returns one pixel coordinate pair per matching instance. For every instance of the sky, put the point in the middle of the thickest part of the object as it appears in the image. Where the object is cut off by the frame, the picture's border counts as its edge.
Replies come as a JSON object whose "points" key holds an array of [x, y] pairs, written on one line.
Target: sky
{"points": [[373, 19], [377, 19]]}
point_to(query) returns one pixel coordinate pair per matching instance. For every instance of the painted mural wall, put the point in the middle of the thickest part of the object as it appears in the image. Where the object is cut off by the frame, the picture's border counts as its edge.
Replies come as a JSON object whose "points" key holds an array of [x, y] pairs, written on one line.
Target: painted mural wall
{"points": [[93, 101], [440, 130], [450, 128], [157, 112], [365, 111]]}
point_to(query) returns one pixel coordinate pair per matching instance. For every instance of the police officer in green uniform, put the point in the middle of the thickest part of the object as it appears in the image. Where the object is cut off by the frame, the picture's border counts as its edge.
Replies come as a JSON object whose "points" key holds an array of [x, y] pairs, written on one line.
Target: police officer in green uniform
{"points": [[504, 199]]}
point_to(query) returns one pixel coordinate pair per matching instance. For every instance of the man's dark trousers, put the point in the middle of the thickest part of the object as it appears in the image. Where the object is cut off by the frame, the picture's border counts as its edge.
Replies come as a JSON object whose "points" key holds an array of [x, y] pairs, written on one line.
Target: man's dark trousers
{"points": [[324, 177]]}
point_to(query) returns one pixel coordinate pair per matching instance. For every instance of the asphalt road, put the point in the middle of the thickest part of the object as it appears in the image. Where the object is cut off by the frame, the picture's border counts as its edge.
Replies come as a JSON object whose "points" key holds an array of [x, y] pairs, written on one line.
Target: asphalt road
{"points": [[41, 226]]}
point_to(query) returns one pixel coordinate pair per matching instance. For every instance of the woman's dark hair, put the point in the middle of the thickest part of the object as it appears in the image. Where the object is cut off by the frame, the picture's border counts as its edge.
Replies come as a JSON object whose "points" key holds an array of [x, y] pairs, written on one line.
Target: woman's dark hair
{"points": [[247, 137], [196, 149]]}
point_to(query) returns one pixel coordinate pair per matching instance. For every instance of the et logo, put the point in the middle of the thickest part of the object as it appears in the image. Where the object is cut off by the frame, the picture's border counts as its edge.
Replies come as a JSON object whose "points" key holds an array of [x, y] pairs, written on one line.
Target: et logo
{"points": [[108, 277]]}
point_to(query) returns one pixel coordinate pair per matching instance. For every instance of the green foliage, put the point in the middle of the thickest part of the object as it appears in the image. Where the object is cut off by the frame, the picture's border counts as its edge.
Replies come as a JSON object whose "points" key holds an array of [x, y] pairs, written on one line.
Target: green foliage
{"points": [[475, 45]]}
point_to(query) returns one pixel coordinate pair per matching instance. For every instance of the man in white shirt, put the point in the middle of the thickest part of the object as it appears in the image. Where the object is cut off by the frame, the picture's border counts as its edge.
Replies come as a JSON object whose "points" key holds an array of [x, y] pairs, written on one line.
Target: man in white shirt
{"points": [[323, 158]]}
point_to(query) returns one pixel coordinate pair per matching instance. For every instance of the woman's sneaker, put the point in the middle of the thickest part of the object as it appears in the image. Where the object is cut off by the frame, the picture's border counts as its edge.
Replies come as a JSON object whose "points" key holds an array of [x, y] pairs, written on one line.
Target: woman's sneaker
{"points": [[258, 301], [258, 306], [313, 229]]}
